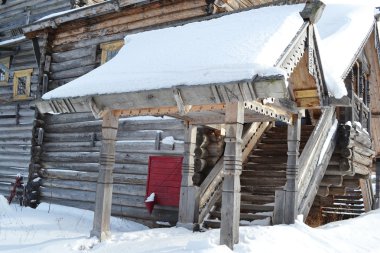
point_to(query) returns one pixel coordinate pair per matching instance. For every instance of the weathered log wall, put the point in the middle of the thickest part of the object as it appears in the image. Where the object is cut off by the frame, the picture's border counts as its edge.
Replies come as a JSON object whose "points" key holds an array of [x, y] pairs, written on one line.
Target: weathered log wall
{"points": [[16, 126], [70, 155], [17, 13], [17, 117], [76, 45]]}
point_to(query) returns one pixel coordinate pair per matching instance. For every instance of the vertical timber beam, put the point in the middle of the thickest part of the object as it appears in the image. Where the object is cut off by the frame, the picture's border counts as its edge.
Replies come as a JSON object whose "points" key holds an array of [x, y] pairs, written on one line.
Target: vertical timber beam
{"points": [[294, 136], [230, 217], [103, 200], [377, 184], [186, 215]]}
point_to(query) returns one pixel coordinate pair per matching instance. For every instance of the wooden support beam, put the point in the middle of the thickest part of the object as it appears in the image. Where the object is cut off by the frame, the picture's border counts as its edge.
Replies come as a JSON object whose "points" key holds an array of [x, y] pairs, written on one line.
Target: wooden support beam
{"points": [[377, 184], [103, 200], [294, 137], [229, 232], [186, 215]]}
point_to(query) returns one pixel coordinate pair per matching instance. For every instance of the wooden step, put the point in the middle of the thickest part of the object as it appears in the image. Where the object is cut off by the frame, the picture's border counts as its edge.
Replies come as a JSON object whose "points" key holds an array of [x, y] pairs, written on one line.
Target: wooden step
{"points": [[358, 210], [264, 190], [262, 181], [348, 201], [267, 159], [265, 173], [258, 199], [265, 167]]}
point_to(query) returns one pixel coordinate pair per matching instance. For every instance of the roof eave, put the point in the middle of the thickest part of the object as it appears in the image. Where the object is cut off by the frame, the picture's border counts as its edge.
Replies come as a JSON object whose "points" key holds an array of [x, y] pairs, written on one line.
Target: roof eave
{"points": [[177, 96]]}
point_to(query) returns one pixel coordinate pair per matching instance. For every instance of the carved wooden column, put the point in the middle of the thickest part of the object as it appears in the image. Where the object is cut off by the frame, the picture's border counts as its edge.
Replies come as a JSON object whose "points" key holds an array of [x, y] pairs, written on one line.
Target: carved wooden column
{"points": [[229, 232], [294, 137], [103, 201], [187, 205]]}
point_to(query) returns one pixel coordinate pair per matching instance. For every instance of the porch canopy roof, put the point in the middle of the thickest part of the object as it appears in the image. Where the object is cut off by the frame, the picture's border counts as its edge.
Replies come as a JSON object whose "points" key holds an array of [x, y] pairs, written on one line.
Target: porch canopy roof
{"points": [[193, 67]]}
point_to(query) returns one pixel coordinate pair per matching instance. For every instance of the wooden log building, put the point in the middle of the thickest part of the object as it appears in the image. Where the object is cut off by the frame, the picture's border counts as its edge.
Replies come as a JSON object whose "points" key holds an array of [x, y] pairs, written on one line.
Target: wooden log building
{"points": [[225, 155], [20, 80]]}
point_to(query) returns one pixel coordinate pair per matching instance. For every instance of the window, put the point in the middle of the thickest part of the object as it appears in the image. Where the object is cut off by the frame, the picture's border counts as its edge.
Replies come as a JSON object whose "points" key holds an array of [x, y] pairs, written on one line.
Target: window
{"points": [[21, 84], [110, 49], [4, 71]]}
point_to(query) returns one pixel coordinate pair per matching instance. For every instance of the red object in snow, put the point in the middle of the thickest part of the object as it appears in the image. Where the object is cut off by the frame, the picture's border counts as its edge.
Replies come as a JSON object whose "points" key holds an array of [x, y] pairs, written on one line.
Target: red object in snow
{"points": [[164, 179], [18, 183], [149, 205]]}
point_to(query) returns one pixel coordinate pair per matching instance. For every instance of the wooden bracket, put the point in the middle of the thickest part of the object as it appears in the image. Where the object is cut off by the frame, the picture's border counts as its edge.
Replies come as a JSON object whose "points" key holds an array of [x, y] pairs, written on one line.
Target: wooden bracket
{"points": [[96, 111], [182, 108], [275, 113]]}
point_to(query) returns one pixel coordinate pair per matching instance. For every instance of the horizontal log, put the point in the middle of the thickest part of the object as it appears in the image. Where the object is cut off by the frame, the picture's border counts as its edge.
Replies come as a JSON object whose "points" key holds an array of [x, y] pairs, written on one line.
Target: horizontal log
{"points": [[122, 189], [12, 163], [122, 200], [124, 125], [366, 161], [67, 118], [141, 169], [361, 169], [133, 213], [93, 177], [200, 165]]}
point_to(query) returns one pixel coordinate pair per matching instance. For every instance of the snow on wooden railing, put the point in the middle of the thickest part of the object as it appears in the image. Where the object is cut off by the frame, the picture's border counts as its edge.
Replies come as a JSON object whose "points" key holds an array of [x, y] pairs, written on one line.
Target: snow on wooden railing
{"points": [[315, 158], [210, 189]]}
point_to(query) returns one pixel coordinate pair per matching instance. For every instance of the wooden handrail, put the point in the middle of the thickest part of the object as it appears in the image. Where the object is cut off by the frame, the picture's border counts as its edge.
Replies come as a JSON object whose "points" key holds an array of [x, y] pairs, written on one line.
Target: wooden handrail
{"points": [[314, 159], [215, 177]]}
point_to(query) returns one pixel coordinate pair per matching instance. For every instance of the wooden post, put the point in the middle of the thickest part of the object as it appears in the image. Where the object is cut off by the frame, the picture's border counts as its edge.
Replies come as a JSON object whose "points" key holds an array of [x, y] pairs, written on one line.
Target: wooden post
{"points": [[294, 136], [103, 201], [186, 214], [377, 184], [230, 216]]}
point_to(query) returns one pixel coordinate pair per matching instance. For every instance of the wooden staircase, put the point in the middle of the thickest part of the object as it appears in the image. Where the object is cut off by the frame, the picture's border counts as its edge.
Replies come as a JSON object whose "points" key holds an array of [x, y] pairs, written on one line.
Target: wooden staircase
{"points": [[345, 206], [345, 190], [263, 173]]}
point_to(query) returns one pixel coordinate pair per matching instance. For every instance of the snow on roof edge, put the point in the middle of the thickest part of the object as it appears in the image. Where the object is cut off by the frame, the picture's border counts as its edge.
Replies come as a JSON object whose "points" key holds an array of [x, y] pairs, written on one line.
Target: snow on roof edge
{"points": [[274, 38]]}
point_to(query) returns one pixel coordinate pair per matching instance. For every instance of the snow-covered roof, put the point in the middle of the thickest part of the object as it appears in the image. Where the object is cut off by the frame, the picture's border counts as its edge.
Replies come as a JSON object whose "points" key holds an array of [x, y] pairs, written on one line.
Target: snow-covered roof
{"points": [[343, 28], [230, 48]]}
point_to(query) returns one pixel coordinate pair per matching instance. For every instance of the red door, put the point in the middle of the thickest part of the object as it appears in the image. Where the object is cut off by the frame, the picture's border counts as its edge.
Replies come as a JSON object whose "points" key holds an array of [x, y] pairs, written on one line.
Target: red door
{"points": [[164, 179]]}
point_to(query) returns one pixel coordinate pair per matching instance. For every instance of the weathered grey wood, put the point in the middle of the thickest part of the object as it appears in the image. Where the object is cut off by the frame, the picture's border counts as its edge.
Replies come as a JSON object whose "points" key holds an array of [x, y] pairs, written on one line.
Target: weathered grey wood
{"points": [[103, 203], [377, 185], [229, 229], [278, 212], [312, 189], [292, 165], [367, 193], [186, 215]]}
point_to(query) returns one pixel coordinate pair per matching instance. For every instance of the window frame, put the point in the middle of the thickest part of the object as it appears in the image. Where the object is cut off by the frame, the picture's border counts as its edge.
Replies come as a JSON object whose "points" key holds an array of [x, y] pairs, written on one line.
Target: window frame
{"points": [[6, 61], [18, 74], [109, 46]]}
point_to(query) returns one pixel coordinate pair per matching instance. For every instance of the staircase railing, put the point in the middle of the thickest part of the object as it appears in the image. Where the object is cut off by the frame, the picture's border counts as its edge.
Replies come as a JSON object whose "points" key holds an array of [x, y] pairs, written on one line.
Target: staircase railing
{"points": [[315, 158], [312, 166], [210, 190]]}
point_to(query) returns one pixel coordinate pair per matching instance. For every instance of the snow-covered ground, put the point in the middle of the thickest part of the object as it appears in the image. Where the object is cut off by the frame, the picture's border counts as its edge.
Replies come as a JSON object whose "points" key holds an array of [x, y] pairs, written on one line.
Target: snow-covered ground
{"points": [[58, 229]]}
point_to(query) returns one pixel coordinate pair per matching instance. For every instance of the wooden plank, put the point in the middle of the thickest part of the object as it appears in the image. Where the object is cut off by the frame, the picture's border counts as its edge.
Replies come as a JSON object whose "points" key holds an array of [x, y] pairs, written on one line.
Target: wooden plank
{"points": [[306, 93]]}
